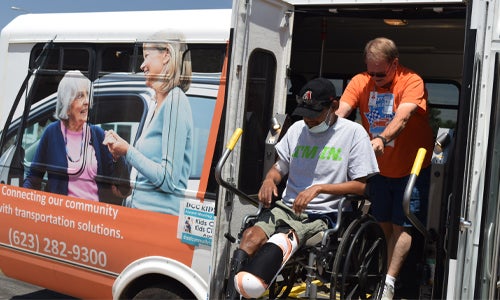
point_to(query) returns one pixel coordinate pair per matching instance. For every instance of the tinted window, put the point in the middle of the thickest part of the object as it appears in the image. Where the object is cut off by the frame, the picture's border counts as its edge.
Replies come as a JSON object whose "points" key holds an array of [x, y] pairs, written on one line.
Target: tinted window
{"points": [[258, 113], [202, 109], [443, 101]]}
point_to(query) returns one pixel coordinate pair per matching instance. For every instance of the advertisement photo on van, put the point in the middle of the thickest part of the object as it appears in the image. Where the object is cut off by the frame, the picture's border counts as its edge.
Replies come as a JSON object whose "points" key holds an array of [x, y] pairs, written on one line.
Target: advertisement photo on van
{"points": [[141, 153], [97, 123]]}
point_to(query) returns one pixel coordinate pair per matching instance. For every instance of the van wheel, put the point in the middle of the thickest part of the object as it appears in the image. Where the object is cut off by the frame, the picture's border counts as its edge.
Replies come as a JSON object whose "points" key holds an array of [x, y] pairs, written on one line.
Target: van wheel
{"points": [[157, 292]]}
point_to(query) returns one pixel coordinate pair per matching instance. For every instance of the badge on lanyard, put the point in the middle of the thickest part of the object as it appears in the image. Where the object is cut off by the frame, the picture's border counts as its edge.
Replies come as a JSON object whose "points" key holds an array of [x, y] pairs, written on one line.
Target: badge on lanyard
{"points": [[372, 101], [388, 104]]}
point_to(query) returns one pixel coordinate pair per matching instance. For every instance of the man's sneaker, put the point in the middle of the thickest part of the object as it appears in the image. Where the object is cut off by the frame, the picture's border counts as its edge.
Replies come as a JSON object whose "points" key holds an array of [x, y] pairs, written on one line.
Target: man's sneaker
{"points": [[388, 293]]}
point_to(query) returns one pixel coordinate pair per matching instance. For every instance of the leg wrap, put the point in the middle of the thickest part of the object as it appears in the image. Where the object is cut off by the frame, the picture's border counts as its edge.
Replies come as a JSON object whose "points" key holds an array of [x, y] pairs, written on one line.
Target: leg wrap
{"points": [[240, 258], [262, 269]]}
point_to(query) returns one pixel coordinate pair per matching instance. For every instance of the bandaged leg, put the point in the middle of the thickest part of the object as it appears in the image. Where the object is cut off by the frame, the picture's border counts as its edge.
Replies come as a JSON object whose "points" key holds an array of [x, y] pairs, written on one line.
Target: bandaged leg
{"points": [[240, 258], [263, 268]]}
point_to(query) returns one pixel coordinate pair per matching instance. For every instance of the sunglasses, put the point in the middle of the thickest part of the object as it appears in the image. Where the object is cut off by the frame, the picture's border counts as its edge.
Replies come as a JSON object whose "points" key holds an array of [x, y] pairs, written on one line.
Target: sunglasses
{"points": [[381, 74]]}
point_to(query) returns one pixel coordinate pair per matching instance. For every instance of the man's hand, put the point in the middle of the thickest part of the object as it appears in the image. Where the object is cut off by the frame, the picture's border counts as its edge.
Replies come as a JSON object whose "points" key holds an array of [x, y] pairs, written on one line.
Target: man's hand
{"points": [[304, 197], [267, 191], [378, 146]]}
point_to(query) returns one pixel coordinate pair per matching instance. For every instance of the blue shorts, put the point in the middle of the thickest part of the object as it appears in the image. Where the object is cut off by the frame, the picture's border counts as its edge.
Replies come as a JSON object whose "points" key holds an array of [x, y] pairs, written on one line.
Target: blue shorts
{"points": [[386, 197]]}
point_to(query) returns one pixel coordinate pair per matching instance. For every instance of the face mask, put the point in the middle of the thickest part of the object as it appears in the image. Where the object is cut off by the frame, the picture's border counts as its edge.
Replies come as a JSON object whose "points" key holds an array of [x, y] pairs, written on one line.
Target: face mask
{"points": [[322, 127]]}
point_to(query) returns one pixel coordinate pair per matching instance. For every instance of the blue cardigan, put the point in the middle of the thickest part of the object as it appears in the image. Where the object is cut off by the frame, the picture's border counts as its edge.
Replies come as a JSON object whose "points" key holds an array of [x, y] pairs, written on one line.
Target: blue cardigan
{"points": [[50, 157]]}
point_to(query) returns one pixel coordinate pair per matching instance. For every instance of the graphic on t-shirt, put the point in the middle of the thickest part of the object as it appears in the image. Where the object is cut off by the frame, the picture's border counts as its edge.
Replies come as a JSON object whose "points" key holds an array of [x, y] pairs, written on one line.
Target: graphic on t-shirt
{"points": [[311, 152], [380, 111]]}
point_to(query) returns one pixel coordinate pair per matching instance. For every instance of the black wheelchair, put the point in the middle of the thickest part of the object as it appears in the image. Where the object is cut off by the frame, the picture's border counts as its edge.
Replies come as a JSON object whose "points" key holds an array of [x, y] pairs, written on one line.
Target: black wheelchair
{"points": [[346, 261]]}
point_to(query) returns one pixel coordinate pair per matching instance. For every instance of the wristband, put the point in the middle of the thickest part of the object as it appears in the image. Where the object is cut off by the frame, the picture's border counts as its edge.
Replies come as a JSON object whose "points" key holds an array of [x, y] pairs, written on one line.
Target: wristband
{"points": [[383, 139]]}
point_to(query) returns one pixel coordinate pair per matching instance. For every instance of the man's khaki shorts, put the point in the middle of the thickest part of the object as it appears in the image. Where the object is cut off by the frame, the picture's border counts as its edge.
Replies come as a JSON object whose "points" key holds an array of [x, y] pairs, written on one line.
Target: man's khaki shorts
{"points": [[282, 217]]}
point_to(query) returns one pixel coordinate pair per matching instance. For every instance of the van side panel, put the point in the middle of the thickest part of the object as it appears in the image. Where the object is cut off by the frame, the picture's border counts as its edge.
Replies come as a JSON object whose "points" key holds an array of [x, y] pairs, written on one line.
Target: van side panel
{"points": [[92, 236], [62, 278]]}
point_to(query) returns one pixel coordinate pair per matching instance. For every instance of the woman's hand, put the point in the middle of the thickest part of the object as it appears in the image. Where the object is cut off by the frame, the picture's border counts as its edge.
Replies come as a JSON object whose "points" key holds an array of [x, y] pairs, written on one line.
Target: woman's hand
{"points": [[116, 145]]}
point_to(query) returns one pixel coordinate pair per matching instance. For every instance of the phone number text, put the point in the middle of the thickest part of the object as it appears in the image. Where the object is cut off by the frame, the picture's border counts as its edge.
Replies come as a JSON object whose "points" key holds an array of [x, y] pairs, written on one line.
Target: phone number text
{"points": [[61, 249]]}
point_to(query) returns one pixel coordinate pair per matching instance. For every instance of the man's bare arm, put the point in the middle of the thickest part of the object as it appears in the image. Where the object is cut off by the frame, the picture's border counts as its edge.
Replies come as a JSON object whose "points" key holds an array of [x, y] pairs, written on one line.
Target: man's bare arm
{"points": [[349, 187], [344, 109]]}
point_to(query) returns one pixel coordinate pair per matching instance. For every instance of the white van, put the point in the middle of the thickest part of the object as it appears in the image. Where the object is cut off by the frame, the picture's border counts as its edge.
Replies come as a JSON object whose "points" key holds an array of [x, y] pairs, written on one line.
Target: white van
{"points": [[274, 47]]}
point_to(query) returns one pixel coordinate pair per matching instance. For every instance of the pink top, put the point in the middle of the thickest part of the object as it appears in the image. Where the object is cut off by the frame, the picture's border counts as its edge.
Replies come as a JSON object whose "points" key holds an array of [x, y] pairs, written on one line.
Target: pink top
{"points": [[81, 172]]}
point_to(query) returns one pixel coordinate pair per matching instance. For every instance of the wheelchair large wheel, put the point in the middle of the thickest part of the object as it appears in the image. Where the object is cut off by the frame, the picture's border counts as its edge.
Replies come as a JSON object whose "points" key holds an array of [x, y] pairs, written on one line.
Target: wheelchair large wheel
{"points": [[360, 263]]}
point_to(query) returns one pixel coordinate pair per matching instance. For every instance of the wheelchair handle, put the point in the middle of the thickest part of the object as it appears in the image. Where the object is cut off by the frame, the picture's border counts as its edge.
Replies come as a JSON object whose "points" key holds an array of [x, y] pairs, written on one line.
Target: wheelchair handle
{"points": [[415, 171], [218, 168], [348, 198]]}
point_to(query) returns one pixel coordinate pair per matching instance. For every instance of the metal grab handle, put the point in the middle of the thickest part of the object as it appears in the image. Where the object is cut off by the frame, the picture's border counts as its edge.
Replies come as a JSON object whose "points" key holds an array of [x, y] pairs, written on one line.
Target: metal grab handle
{"points": [[234, 139], [218, 169], [415, 171]]}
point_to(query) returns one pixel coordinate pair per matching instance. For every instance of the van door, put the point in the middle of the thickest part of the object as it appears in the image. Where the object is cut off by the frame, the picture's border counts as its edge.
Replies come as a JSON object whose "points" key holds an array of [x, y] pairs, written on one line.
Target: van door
{"points": [[480, 218], [261, 56], [472, 249], [257, 90], [490, 266]]}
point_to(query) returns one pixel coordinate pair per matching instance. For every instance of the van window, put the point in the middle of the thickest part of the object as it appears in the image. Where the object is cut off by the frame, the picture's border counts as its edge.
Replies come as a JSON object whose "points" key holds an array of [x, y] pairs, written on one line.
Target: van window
{"points": [[202, 109], [443, 102], [258, 112], [128, 121], [63, 57], [108, 58], [116, 58], [205, 58]]}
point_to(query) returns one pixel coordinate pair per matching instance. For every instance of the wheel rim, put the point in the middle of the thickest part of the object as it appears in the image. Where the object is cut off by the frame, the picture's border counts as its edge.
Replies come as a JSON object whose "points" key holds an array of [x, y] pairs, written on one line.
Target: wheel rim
{"points": [[361, 261]]}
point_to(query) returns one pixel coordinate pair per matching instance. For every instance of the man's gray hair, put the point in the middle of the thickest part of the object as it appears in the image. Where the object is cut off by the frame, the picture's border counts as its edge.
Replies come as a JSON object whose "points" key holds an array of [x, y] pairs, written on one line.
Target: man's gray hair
{"points": [[381, 49]]}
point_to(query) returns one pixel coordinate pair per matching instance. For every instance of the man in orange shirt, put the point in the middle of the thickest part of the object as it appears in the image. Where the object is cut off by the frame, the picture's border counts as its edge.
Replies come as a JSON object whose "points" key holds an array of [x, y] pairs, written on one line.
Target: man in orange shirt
{"points": [[392, 100]]}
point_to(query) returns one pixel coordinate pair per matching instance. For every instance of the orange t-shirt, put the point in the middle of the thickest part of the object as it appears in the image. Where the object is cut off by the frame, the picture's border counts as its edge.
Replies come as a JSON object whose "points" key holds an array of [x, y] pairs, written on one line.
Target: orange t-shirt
{"points": [[378, 106]]}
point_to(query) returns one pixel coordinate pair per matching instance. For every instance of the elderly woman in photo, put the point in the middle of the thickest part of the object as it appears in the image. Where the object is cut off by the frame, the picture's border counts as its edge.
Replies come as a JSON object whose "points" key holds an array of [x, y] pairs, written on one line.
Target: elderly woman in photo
{"points": [[161, 158], [70, 150]]}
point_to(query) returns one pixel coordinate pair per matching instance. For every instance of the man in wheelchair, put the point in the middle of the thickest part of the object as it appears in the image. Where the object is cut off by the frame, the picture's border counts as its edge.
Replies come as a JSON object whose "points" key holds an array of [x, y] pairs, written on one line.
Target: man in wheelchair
{"points": [[324, 158]]}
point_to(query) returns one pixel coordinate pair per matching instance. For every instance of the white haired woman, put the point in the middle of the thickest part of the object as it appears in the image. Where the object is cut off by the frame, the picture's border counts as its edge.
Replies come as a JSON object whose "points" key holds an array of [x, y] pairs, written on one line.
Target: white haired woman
{"points": [[70, 150]]}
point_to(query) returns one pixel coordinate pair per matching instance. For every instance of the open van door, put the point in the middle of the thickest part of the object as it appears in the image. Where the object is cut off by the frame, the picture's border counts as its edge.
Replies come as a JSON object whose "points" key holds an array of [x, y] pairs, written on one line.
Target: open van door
{"points": [[257, 90], [474, 273], [261, 25]]}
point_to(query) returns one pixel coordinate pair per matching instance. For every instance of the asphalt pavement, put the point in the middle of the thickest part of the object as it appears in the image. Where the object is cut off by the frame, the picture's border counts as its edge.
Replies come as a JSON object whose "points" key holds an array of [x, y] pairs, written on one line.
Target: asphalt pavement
{"points": [[15, 289]]}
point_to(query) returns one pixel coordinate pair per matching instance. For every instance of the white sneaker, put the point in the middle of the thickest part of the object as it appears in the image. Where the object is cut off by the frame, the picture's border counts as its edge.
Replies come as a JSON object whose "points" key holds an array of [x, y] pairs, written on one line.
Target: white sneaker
{"points": [[388, 293]]}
